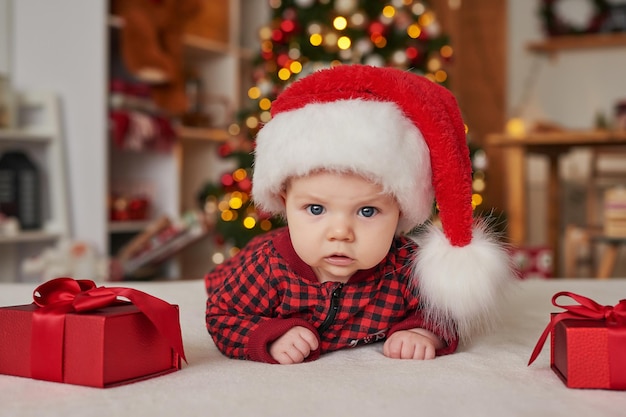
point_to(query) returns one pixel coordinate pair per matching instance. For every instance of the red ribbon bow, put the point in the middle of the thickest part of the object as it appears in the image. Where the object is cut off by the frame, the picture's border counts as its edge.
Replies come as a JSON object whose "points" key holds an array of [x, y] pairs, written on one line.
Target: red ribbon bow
{"points": [[586, 309], [60, 296], [615, 318]]}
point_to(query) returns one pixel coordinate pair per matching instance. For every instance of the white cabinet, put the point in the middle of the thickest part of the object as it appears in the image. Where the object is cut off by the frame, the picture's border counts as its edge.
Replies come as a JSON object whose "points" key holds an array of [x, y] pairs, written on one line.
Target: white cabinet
{"points": [[39, 136], [62, 46]]}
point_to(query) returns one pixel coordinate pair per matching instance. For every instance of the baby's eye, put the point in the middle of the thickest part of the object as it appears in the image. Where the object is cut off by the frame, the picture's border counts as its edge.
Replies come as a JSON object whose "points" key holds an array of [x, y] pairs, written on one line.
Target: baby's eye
{"points": [[368, 211], [315, 209]]}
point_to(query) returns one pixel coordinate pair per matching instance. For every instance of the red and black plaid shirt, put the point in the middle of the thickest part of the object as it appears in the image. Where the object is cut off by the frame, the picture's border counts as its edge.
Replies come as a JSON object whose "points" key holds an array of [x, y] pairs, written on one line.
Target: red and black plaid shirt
{"points": [[266, 289]]}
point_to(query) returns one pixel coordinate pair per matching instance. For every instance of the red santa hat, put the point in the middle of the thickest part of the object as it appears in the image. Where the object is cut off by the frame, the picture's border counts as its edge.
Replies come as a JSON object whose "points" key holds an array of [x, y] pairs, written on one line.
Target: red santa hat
{"points": [[406, 133]]}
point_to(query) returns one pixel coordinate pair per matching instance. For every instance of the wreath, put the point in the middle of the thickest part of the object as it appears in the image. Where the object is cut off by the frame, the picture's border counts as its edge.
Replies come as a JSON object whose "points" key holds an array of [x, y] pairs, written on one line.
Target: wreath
{"points": [[555, 25]]}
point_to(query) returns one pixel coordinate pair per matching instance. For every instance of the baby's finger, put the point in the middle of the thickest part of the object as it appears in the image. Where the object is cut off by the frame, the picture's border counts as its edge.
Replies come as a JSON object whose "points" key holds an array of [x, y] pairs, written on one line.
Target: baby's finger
{"points": [[310, 338]]}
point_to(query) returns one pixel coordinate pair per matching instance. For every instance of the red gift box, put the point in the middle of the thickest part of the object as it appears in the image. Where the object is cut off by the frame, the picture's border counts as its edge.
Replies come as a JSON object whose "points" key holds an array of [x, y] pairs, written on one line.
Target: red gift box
{"points": [[81, 334], [587, 344]]}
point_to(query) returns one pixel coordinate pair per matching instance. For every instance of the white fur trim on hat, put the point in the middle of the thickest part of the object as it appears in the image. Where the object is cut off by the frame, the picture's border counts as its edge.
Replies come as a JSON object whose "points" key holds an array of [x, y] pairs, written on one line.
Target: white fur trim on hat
{"points": [[371, 138], [462, 288]]}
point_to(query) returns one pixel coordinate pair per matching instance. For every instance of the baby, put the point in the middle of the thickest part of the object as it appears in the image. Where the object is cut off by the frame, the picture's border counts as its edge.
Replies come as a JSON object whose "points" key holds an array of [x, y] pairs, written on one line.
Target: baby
{"points": [[353, 158]]}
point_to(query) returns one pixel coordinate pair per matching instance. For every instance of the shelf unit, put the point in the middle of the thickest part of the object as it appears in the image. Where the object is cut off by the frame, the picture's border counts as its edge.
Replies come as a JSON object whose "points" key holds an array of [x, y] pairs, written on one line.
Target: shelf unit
{"points": [[557, 44], [224, 68], [562, 138], [551, 145], [39, 135]]}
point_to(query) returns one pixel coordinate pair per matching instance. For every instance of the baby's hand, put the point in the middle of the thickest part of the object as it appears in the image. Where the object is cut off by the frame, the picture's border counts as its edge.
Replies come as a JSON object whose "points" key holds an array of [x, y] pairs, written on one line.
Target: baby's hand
{"points": [[412, 344], [294, 346]]}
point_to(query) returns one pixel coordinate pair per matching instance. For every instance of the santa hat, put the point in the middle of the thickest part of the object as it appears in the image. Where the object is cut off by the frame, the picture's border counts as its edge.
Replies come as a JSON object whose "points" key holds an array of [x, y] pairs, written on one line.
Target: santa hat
{"points": [[406, 133]]}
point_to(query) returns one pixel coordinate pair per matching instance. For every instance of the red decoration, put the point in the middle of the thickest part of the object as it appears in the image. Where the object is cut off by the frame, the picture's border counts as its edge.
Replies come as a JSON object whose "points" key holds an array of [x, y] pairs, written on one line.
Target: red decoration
{"points": [[411, 52], [138, 208], [124, 208], [533, 262], [277, 35], [224, 150], [287, 26], [81, 334], [376, 28], [283, 60], [227, 180], [587, 343], [245, 184]]}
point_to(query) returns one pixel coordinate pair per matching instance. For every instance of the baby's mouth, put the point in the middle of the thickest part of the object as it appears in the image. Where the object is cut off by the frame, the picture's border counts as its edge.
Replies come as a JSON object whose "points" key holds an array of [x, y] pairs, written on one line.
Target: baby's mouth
{"points": [[338, 259]]}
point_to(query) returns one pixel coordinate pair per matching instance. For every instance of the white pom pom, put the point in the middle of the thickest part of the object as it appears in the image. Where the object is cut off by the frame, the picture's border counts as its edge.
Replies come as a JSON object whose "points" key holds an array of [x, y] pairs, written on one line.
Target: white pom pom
{"points": [[461, 288]]}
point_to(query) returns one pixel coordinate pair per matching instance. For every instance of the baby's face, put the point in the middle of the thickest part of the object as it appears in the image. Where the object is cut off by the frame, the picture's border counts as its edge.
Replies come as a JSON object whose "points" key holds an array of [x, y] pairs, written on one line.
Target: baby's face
{"points": [[339, 223]]}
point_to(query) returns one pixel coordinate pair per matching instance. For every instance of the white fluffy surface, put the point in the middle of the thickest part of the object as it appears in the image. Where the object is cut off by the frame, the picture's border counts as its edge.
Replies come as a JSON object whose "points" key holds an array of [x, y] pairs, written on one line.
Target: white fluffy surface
{"points": [[462, 288], [488, 378], [370, 138]]}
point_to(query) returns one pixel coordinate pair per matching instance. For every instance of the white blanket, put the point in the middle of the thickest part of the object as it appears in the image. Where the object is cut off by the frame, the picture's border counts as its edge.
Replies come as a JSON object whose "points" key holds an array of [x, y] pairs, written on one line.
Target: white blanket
{"points": [[487, 378]]}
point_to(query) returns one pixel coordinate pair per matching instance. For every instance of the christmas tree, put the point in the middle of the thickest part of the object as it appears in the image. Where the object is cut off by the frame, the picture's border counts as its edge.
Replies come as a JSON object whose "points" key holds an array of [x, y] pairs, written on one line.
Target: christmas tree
{"points": [[304, 36]]}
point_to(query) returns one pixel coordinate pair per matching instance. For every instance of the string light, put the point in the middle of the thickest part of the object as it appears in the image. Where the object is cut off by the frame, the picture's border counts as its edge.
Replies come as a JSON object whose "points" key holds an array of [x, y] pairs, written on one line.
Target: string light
{"points": [[414, 31], [249, 222], [235, 203], [252, 122], [330, 39], [446, 51], [344, 42], [441, 76], [389, 11], [239, 175], [295, 67], [284, 74], [290, 46], [217, 258], [265, 116], [234, 129], [228, 215], [516, 127], [340, 23], [254, 92], [265, 103], [315, 39], [357, 19], [418, 9], [477, 200], [266, 225]]}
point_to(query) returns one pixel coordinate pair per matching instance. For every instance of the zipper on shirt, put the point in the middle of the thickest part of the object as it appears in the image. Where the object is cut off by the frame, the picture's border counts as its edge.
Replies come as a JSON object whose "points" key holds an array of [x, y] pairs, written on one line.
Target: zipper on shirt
{"points": [[332, 312]]}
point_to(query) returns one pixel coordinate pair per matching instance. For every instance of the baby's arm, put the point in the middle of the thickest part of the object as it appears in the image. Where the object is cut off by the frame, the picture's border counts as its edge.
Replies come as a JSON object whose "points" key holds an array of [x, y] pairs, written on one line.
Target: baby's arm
{"points": [[294, 346], [414, 343], [240, 313]]}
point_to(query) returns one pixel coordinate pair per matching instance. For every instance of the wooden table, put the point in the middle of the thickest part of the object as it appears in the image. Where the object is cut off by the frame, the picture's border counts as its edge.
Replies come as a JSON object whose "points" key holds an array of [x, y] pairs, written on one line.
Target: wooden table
{"points": [[552, 145]]}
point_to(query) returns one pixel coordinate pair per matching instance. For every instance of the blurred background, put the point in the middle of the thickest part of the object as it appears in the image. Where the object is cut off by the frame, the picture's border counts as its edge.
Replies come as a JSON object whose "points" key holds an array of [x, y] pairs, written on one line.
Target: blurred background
{"points": [[126, 126]]}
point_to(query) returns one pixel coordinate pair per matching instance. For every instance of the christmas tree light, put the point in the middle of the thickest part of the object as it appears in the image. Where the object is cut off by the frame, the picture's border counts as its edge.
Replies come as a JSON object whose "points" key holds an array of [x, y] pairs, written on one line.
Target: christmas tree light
{"points": [[303, 36]]}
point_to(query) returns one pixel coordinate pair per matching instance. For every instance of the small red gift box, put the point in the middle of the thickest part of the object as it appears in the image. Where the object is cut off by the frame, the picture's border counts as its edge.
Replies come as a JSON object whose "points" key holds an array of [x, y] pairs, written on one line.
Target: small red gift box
{"points": [[587, 344], [81, 334]]}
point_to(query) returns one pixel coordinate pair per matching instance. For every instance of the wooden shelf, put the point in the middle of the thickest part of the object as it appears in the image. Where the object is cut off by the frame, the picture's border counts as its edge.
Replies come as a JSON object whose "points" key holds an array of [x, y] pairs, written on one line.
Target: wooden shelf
{"points": [[132, 226], [29, 237], [11, 135], [570, 42], [196, 46], [202, 134], [569, 138]]}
